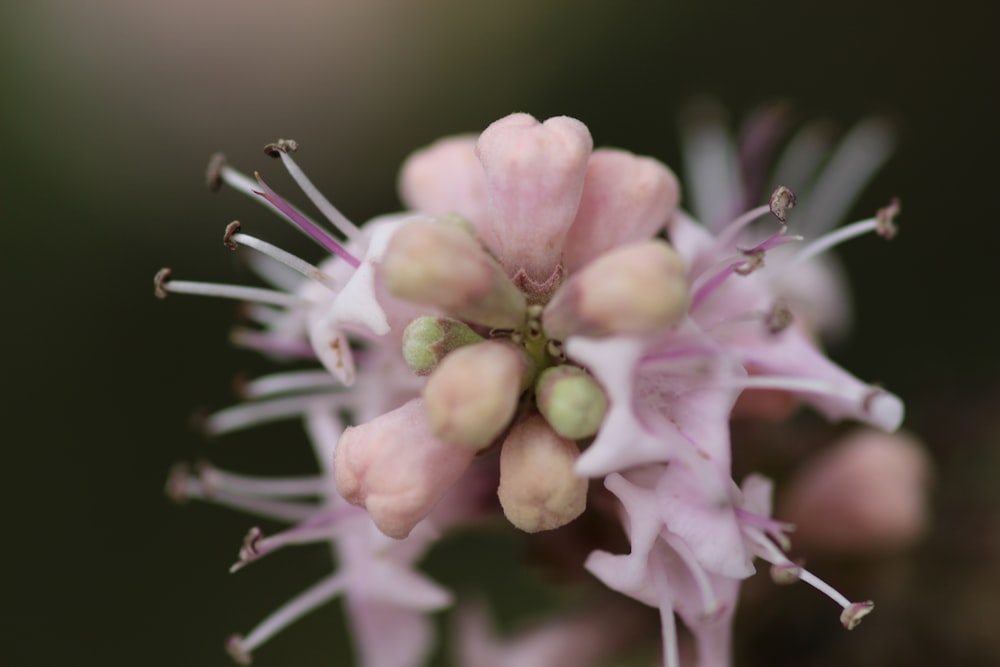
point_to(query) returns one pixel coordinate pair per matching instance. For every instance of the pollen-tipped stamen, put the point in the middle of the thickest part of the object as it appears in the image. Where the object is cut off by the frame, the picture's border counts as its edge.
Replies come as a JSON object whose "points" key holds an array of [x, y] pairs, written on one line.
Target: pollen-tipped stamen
{"points": [[240, 647], [282, 150], [163, 286], [304, 224], [233, 238]]}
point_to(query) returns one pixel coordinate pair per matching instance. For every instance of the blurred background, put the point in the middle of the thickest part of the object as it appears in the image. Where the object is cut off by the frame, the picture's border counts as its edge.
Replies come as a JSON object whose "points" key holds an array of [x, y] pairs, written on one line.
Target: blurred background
{"points": [[110, 110]]}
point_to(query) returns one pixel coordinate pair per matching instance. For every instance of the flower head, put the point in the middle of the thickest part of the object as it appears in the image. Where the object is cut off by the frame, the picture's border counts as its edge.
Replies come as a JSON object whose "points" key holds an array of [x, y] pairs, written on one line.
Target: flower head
{"points": [[542, 314]]}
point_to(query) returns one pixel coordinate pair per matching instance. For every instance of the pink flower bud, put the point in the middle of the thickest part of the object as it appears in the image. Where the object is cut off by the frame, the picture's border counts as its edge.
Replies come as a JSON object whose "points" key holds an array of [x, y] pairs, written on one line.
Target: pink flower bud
{"points": [[538, 488], [638, 288], [472, 394], [440, 264], [396, 469], [867, 494], [535, 173]]}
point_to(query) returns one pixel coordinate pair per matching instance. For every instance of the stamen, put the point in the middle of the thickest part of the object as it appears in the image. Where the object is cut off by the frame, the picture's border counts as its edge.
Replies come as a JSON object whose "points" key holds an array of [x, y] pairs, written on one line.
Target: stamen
{"points": [[255, 546], [779, 318], [285, 383], [304, 224], [310, 599], [882, 224], [782, 199], [244, 416], [668, 630], [744, 263], [882, 408], [183, 486], [233, 239], [785, 574], [853, 611], [336, 218], [732, 230], [262, 486], [272, 344], [163, 286], [213, 173]]}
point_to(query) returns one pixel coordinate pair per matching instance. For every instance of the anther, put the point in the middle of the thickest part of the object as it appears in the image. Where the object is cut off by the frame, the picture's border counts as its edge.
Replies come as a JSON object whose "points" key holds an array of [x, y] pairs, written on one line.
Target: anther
{"points": [[249, 550], [885, 223], [160, 283], [213, 173], [779, 318], [227, 238], [234, 646], [782, 199], [754, 261], [785, 574], [177, 483], [853, 614], [281, 146]]}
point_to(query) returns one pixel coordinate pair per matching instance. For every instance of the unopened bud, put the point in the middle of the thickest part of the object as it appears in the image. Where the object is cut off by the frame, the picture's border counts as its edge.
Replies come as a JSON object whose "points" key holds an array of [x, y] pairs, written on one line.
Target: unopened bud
{"points": [[440, 264], [571, 401], [472, 394], [538, 487], [426, 341], [638, 288], [396, 469]]}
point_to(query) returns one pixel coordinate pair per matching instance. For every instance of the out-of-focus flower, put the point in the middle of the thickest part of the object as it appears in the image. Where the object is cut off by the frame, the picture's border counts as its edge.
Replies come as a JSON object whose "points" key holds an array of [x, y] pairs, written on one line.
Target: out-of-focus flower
{"points": [[866, 495], [523, 328]]}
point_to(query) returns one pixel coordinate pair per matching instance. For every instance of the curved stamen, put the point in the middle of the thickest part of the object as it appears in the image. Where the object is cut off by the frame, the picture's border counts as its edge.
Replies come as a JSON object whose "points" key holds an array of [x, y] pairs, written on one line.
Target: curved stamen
{"points": [[244, 416], [728, 235], [273, 344], [336, 218], [182, 486], [304, 224], [882, 224], [310, 599], [164, 286], [285, 383], [233, 239], [248, 485]]}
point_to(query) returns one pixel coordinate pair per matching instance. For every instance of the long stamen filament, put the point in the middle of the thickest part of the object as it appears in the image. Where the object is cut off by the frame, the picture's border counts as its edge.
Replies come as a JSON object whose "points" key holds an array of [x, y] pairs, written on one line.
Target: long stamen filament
{"points": [[284, 383], [336, 218], [273, 344], [732, 230], [304, 224], [313, 597], [827, 241], [238, 292], [239, 417], [263, 486], [286, 258]]}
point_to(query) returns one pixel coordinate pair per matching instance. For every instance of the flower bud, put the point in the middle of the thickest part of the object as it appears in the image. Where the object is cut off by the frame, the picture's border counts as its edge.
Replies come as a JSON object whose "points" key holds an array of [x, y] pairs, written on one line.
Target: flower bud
{"points": [[634, 289], [571, 401], [396, 469], [538, 488], [867, 494], [426, 341], [440, 264], [472, 394]]}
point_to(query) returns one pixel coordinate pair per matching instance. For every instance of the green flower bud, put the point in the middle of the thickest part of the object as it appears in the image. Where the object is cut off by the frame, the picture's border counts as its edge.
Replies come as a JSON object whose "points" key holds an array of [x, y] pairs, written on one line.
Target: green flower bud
{"points": [[428, 339], [571, 401]]}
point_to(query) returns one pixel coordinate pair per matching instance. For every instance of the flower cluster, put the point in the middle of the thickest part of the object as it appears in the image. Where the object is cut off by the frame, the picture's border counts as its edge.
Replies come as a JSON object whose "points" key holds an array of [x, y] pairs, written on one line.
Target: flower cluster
{"points": [[542, 326]]}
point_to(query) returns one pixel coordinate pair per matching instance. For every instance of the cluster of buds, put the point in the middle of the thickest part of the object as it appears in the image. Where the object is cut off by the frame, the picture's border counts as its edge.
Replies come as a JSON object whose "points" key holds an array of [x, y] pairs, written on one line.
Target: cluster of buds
{"points": [[541, 316]]}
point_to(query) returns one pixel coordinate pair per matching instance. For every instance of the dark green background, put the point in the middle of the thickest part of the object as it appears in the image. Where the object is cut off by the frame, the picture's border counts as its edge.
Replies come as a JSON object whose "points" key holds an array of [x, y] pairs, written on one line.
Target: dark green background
{"points": [[110, 110]]}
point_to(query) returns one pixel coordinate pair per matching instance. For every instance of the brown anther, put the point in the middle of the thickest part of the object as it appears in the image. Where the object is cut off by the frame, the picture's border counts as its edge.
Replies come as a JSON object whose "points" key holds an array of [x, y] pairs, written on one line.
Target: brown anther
{"points": [[779, 318], [209, 479], [227, 238], [177, 481], [554, 349], [250, 542], [854, 613], [782, 199], [755, 260], [160, 283], [234, 646], [885, 223], [213, 173], [281, 146]]}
